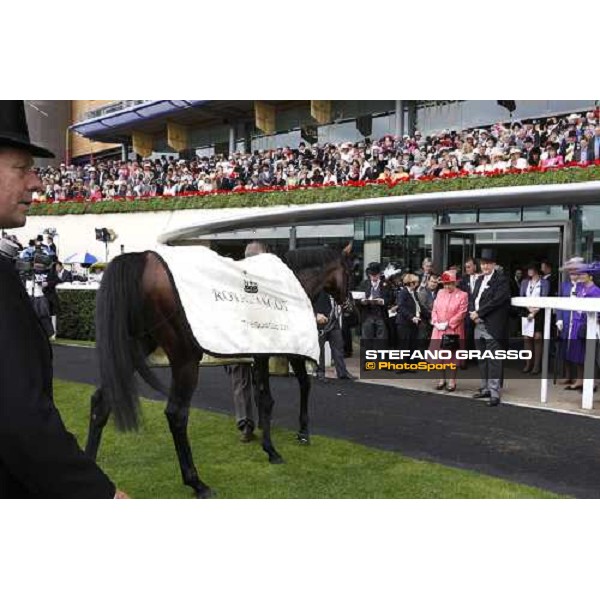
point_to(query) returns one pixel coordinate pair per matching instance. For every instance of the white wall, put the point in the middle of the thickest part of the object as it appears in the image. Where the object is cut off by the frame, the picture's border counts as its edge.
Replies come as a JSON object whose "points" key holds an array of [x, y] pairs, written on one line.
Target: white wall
{"points": [[137, 230]]}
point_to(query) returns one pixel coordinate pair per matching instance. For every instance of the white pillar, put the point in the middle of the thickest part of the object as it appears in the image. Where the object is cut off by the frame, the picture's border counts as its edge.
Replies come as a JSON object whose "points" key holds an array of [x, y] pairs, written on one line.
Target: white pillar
{"points": [[587, 399], [399, 118], [545, 355], [372, 252], [232, 139]]}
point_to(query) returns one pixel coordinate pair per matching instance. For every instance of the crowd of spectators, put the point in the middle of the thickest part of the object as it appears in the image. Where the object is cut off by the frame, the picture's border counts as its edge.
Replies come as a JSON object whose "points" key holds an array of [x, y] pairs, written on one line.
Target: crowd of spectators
{"points": [[537, 144]]}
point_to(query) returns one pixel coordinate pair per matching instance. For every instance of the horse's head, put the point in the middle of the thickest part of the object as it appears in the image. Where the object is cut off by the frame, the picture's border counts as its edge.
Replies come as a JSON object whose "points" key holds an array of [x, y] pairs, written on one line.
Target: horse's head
{"points": [[337, 281], [322, 268]]}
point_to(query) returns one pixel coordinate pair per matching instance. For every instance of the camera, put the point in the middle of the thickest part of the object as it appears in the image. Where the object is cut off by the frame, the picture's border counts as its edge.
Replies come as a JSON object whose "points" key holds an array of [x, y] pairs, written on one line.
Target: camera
{"points": [[38, 263], [8, 248]]}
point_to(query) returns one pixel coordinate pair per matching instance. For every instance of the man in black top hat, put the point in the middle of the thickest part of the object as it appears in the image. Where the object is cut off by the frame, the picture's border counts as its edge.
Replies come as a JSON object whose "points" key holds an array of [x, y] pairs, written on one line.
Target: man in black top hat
{"points": [[39, 458], [489, 307], [374, 305]]}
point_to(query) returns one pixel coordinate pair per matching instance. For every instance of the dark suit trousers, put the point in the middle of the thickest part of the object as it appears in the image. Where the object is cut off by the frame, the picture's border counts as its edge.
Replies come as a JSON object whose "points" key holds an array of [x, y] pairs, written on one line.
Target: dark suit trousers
{"points": [[336, 343], [241, 383], [407, 334], [489, 370]]}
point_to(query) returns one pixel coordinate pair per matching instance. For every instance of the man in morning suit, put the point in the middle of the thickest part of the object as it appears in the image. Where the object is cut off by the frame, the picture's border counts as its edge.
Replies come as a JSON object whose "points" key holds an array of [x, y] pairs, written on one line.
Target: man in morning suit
{"points": [[489, 307], [39, 458]]}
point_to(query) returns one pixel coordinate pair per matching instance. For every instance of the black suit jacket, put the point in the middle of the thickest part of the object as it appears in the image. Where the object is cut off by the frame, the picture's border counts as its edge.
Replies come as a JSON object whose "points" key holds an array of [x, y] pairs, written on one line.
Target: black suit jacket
{"points": [[553, 281], [39, 458], [407, 308], [375, 310], [494, 304]]}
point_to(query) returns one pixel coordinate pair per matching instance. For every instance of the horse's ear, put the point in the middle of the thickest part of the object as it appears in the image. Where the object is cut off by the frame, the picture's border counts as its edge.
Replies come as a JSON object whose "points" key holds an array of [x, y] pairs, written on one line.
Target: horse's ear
{"points": [[347, 248]]}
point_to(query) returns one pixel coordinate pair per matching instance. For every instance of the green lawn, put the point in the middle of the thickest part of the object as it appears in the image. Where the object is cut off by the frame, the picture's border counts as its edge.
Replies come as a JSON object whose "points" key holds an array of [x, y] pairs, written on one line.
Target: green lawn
{"points": [[144, 464]]}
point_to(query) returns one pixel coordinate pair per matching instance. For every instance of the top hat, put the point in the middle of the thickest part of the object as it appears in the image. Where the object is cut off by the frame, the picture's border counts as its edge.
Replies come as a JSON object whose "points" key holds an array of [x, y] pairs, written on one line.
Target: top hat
{"points": [[373, 268], [488, 255], [14, 131]]}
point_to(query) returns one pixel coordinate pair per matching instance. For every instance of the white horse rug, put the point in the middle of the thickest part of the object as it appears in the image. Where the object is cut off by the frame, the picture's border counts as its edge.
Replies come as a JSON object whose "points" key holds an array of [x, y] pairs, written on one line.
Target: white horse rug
{"points": [[245, 307]]}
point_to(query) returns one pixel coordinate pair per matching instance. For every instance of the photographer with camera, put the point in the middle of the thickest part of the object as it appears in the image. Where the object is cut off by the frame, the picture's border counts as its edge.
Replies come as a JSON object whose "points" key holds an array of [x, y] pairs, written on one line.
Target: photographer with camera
{"points": [[39, 458], [33, 270]]}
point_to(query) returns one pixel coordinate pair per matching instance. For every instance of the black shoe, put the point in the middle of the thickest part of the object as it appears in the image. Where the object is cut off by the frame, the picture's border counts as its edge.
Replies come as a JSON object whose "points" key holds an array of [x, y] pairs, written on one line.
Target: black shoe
{"points": [[481, 394], [347, 376], [493, 402], [322, 378]]}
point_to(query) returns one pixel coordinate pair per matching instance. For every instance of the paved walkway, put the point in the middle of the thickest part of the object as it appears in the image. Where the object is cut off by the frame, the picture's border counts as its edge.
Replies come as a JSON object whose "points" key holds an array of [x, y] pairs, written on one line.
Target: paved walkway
{"points": [[555, 451], [521, 391]]}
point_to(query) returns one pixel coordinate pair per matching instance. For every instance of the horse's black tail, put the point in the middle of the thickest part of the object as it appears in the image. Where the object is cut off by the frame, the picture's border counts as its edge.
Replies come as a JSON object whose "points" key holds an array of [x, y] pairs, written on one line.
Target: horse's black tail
{"points": [[120, 335]]}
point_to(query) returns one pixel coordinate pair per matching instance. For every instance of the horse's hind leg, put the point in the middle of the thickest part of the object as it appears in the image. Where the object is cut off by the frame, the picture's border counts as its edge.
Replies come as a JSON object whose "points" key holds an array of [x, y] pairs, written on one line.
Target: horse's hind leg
{"points": [[299, 367], [99, 413], [265, 407], [185, 378]]}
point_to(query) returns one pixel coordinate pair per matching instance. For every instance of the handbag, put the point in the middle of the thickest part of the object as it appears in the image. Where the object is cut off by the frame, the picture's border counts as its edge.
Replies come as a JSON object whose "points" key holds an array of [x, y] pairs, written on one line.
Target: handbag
{"points": [[450, 341]]}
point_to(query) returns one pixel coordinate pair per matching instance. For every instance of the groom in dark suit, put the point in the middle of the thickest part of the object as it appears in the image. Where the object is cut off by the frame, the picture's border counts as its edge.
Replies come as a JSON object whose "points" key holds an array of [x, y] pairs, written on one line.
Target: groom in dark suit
{"points": [[489, 307]]}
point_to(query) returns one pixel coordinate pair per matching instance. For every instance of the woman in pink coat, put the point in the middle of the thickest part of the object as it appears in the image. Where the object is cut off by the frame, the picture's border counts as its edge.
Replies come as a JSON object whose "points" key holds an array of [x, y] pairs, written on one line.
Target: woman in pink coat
{"points": [[448, 317]]}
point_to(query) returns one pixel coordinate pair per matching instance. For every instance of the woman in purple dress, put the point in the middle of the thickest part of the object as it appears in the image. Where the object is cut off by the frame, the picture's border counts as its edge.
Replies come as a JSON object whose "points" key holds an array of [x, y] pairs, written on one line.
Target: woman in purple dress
{"points": [[577, 338], [568, 289]]}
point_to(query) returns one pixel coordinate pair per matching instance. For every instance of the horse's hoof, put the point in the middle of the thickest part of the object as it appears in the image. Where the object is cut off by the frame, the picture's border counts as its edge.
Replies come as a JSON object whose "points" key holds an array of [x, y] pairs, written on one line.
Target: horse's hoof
{"points": [[303, 438], [276, 459], [247, 435], [205, 494]]}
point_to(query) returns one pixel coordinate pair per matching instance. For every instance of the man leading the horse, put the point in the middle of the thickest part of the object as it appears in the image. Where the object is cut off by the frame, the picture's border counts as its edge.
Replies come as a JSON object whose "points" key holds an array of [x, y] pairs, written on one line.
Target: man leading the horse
{"points": [[39, 458]]}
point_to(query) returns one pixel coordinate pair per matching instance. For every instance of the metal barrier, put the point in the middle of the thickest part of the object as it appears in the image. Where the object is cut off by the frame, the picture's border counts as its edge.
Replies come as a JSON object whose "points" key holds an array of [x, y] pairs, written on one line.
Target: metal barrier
{"points": [[591, 306]]}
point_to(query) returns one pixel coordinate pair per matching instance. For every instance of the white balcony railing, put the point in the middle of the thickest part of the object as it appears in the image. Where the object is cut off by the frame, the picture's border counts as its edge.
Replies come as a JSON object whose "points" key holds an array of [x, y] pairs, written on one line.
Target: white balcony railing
{"points": [[591, 306]]}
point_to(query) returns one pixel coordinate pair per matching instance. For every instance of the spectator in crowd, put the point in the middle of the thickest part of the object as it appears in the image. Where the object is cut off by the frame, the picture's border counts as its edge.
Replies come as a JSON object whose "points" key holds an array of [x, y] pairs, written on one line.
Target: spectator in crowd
{"points": [[549, 276], [488, 309], [374, 305], [467, 284], [576, 347], [534, 287], [51, 245], [426, 297], [447, 318], [424, 273], [553, 159], [63, 275], [594, 145], [568, 289], [408, 315], [515, 282]]}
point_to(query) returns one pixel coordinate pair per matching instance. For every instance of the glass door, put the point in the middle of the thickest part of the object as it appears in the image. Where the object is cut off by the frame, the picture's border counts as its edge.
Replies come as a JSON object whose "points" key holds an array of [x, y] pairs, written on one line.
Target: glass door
{"points": [[457, 249]]}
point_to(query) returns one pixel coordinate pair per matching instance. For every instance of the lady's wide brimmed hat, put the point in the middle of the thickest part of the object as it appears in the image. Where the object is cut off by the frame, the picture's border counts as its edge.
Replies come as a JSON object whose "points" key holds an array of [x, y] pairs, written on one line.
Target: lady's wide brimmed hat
{"points": [[573, 263], [590, 269], [448, 277], [14, 131]]}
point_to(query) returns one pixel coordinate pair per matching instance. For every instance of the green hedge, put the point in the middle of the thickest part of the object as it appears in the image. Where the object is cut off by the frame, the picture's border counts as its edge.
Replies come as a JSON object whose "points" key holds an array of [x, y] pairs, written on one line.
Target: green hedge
{"points": [[76, 314], [325, 194]]}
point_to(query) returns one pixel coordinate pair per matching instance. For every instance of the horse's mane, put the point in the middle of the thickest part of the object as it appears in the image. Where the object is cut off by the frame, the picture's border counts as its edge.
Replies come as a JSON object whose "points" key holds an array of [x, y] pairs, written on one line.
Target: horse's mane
{"points": [[312, 257]]}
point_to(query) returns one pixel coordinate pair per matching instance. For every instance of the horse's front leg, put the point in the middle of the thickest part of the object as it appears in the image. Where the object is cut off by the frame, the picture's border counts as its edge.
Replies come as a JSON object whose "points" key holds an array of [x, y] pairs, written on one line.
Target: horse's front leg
{"points": [[299, 366], [185, 378], [265, 407], [99, 413]]}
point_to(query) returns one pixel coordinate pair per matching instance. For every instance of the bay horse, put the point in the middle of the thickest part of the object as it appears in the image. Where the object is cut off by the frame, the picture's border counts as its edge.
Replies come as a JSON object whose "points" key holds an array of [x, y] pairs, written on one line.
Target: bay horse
{"points": [[138, 310]]}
